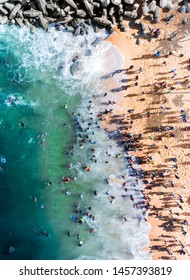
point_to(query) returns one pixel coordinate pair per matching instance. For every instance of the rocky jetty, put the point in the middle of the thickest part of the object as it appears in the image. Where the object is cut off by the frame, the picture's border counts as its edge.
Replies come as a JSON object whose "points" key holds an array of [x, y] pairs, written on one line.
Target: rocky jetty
{"points": [[75, 15]]}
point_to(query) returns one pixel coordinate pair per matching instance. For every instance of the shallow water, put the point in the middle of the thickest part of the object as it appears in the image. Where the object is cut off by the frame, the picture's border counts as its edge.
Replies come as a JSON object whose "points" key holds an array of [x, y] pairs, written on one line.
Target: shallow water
{"points": [[61, 128]]}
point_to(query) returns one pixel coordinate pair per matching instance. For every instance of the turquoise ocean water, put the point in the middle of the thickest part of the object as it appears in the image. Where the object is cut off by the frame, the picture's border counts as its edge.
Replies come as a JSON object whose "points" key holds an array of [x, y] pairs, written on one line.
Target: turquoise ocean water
{"points": [[61, 134]]}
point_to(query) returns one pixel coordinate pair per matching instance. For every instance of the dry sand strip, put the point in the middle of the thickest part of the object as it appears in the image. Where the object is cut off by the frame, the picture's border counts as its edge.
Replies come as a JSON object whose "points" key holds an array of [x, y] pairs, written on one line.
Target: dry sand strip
{"points": [[161, 106]]}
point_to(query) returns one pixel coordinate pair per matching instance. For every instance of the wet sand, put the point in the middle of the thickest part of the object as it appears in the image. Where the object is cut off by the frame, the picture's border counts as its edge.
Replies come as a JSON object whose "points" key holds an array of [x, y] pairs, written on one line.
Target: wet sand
{"points": [[162, 92]]}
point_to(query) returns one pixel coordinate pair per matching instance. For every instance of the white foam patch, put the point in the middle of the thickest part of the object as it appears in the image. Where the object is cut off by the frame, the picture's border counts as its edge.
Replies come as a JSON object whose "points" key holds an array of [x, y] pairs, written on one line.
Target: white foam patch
{"points": [[53, 50]]}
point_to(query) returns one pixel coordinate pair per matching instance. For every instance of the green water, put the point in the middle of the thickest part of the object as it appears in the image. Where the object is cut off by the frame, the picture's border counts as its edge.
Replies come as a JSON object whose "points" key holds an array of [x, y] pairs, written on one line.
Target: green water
{"points": [[29, 165]]}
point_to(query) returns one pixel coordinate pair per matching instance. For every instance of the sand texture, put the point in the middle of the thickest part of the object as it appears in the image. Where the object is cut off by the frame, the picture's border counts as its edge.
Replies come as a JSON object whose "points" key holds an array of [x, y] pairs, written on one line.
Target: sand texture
{"points": [[163, 151]]}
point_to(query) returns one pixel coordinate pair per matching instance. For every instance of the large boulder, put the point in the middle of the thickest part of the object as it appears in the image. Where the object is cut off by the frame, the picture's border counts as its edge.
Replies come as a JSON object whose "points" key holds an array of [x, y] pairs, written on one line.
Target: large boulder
{"points": [[89, 8], [43, 22], [166, 4], [3, 20], [3, 1], [3, 11], [14, 11], [81, 13], [145, 9], [9, 6], [152, 6], [116, 2], [32, 13], [42, 6], [71, 3], [131, 2], [102, 21], [105, 3], [76, 68]]}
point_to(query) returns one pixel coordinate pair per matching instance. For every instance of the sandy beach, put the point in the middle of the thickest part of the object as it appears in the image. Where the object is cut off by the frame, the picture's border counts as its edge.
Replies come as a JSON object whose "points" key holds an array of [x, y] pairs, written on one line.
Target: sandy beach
{"points": [[160, 112]]}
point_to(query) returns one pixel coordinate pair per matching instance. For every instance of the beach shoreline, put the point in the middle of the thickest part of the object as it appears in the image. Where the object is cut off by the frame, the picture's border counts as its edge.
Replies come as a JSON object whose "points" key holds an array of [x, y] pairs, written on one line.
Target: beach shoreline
{"points": [[166, 188]]}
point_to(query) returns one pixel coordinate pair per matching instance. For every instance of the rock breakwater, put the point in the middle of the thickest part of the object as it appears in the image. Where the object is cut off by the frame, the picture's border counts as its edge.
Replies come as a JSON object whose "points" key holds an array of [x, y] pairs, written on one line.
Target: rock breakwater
{"points": [[76, 15]]}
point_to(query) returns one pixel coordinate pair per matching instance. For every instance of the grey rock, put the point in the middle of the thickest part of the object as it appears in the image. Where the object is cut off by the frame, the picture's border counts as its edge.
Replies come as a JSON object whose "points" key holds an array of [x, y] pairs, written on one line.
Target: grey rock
{"points": [[3, 1], [9, 6], [66, 19], [71, 3], [157, 14], [14, 11], [152, 6], [70, 28], [89, 8], [33, 5], [3, 11], [75, 22], [57, 11], [111, 11], [113, 19], [145, 9], [105, 13], [50, 7], [62, 13], [43, 22], [163, 3], [67, 9], [81, 13], [96, 29], [72, 13], [32, 28], [105, 3], [120, 19], [166, 4], [170, 5], [84, 28], [19, 21], [3, 20], [76, 67], [129, 1], [24, 2], [116, 2], [131, 14], [77, 30], [20, 14], [89, 21], [120, 10], [96, 4], [59, 27], [42, 6], [135, 7], [96, 42], [102, 21], [50, 19], [32, 13], [26, 22], [12, 21]]}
